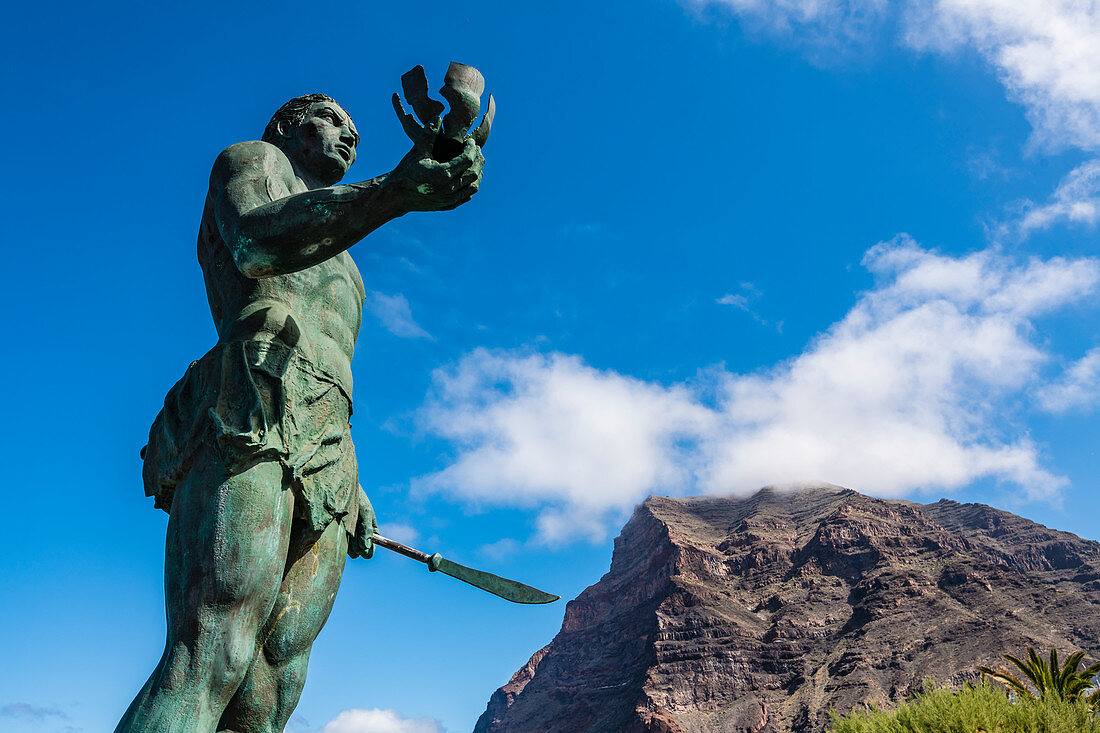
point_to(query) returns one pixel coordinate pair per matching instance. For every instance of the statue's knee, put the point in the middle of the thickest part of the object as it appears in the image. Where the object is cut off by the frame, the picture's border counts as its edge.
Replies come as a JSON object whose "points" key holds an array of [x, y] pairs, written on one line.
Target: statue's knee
{"points": [[236, 656], [283, 645], [292, 633]]}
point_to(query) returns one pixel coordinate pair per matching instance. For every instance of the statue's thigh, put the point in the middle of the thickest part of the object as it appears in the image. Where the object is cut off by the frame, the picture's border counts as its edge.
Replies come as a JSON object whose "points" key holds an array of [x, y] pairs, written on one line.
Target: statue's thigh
{"points": [[227, 544], [315, 566]]}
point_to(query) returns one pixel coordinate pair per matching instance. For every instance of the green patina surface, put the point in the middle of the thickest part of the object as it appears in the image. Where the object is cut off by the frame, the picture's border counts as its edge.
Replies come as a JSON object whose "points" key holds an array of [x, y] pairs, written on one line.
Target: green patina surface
{"points": [[252, 454], [507, 589]]}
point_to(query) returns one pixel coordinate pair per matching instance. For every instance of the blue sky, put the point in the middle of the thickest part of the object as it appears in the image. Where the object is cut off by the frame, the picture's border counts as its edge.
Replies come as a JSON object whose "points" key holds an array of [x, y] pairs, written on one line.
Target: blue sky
{"points": [[718, 245]]}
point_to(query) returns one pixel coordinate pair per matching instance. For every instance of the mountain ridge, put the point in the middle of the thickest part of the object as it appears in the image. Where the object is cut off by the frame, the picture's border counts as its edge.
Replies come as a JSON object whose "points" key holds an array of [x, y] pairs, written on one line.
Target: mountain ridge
{"points": [[723, 615]]}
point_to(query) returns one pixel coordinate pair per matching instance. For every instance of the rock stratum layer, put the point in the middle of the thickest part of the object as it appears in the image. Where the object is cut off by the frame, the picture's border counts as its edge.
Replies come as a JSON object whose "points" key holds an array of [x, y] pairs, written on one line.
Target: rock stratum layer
{"points": [[756, 615]]}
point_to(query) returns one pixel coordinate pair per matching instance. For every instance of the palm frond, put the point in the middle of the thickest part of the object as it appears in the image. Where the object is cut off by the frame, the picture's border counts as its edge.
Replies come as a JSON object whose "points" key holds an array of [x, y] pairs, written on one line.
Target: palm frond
{"points": [[1032, 669], [1043, 677], [1008, 679]]}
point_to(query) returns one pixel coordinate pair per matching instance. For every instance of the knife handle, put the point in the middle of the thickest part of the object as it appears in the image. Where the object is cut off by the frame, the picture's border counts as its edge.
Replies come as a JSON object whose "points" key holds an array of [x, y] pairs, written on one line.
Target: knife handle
{"points": [[404, 550]]}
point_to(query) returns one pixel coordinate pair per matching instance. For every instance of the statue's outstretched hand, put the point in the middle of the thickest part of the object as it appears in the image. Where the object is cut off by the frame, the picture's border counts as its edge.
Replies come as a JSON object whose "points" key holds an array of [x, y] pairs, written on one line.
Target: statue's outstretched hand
{"points": [[366, 526], [428, 185]]}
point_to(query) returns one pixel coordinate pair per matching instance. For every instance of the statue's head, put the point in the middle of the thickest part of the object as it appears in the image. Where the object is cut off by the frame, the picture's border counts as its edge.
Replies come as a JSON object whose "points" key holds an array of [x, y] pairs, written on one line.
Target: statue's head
{"points": [[316, 134]]}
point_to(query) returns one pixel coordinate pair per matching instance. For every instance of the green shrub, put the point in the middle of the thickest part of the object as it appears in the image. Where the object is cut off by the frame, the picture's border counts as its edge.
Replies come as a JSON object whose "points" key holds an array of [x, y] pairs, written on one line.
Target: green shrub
{"points": [[973, 709]]}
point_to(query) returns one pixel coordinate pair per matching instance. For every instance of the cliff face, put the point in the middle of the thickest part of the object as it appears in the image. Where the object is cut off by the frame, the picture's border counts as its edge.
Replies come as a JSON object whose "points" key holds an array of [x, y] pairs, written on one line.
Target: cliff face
{"points": [[756, 615]]}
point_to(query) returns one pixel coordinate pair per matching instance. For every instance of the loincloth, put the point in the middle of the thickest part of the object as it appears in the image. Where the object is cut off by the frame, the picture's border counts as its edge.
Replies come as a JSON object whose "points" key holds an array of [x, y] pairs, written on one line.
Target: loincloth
{"points": [[251, 401]]}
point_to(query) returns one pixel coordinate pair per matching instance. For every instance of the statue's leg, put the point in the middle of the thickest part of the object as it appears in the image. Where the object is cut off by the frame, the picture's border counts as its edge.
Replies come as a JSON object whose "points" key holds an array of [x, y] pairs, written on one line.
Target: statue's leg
{"points": [[274, 683], [226, 548]]}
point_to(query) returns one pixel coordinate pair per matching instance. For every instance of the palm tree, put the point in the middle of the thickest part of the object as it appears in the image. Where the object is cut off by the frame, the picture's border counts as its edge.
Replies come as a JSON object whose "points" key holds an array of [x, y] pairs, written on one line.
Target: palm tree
{"points": [[1063, 682]]}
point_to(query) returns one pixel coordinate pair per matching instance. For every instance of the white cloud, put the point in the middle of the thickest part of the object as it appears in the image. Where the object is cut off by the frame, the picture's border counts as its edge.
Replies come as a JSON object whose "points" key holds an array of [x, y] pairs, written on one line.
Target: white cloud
{"points": [[908, 391], [537, 429], [31, 712], [1079, 387], [396, 316], [815, 25], [1076, 200], [404, 533], [378, 720], [741, 300], [904, 392], [736, 300], [1043, 51], [501, 549]]}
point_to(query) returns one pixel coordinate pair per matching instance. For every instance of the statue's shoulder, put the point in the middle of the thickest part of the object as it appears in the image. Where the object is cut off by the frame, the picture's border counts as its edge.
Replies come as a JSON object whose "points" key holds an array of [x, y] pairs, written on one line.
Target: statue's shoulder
{"points": [[251, 157]]}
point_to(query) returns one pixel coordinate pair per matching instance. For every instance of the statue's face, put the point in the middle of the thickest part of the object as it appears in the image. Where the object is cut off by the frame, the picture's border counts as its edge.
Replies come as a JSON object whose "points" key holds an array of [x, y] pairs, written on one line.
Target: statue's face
{"points": [[324, 143]]}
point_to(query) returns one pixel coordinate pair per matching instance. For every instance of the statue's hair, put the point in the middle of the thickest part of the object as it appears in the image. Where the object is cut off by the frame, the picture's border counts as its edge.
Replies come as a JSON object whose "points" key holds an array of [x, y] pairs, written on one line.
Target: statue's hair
{"points": [[293, 112]]}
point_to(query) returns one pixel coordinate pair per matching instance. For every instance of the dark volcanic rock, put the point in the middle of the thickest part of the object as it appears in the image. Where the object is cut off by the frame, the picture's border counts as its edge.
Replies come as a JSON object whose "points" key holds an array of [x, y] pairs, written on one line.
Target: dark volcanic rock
{"points": [[757, 615]]}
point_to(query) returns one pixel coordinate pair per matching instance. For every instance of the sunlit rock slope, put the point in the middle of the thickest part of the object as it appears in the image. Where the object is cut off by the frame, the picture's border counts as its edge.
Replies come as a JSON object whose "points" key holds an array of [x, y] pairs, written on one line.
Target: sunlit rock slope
{"points": [[727, 615]]}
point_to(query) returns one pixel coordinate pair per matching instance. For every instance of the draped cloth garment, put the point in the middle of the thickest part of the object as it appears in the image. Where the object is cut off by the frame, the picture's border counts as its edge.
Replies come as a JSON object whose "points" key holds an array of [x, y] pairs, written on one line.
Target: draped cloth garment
{"points": [[253, 401]]}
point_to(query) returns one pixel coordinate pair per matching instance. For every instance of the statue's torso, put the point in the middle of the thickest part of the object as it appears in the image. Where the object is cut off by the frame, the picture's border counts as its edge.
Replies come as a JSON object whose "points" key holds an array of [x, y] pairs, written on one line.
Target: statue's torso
{"points": [[316, 311]]}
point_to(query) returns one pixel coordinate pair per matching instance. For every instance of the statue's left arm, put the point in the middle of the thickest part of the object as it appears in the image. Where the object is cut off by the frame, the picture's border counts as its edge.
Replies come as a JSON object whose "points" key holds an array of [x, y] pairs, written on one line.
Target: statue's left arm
{"points": [[270, 231]]}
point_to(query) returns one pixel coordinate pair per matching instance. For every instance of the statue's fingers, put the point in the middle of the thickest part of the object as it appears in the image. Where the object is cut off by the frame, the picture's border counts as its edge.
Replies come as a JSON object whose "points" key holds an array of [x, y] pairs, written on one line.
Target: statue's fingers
{"points": [[462, 195], [456, 203], [478, 164], [428, 134], [467, 195], [470, 149], [466, 179], [451, 197], [458, 165], [408, 123]]}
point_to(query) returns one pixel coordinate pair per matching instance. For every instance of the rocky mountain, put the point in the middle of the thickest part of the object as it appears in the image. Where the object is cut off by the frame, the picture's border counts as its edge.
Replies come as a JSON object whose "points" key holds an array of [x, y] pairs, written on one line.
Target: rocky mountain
{"points": [[756, 615]]}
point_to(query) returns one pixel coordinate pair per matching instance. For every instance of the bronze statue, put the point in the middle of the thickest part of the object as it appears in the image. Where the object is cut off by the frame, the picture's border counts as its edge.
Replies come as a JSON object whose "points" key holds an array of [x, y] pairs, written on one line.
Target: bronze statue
{"points": [[252, 454]]}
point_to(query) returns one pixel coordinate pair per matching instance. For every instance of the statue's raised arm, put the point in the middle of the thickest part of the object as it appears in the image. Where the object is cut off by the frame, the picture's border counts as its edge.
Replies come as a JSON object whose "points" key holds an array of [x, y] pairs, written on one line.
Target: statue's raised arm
{"points": [[278, 209]]}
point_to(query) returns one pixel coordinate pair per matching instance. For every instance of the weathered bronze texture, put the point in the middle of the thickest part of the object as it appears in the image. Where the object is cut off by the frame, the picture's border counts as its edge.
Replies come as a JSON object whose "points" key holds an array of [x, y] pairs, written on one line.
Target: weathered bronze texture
{"points": [[462, 88], [509, 590], [252, 454]]}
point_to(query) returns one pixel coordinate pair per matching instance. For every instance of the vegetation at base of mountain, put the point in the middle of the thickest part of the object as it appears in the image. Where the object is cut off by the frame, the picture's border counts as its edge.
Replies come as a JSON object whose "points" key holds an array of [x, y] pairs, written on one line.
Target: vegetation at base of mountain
{"points": [[973, 709], [1043, 679]]}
